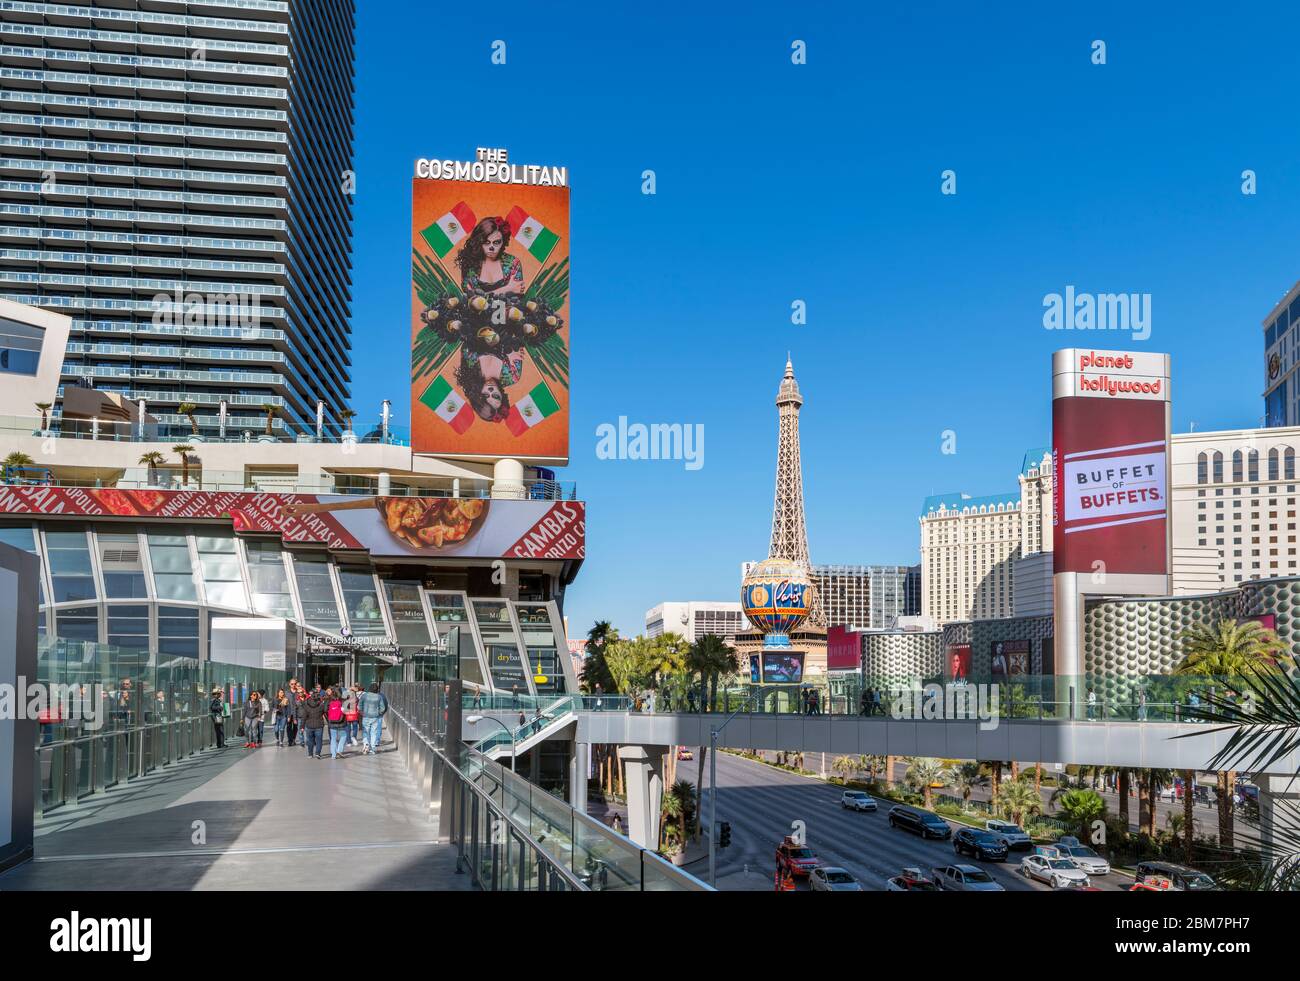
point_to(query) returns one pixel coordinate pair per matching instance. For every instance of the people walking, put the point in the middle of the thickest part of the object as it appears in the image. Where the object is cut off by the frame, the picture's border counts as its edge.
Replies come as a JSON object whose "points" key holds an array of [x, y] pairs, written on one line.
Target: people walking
{"points": [[278, 718], [351, 715], [1092, 704], [337, 722], [264, 704], [312, 718], [373, 707], [252, 719], [216, 708]]}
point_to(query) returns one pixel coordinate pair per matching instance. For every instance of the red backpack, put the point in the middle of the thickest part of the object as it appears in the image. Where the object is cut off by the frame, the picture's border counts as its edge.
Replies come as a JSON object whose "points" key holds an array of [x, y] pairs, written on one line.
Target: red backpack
{"points": [[335, 712]]}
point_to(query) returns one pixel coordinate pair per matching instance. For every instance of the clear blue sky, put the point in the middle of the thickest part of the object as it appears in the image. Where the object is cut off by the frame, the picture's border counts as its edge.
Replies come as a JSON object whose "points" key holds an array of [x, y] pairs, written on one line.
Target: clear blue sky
{"points": [[821, 182]]}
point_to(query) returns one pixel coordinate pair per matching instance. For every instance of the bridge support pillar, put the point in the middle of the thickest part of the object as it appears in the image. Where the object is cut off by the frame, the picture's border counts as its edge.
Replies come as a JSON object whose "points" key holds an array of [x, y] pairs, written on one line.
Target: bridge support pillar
{"points": [[644, 771], [1279, 812], [579, 767]]}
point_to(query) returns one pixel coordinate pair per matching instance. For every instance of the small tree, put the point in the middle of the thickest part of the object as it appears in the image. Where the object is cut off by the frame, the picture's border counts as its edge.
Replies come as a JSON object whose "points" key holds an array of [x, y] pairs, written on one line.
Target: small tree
{"points": [[1080, 807], [347, 415], [152, 460], [923, 771], [845, 766], [45, 414], [1017, 800], [188, 409], [271, 412], [184, 450]]}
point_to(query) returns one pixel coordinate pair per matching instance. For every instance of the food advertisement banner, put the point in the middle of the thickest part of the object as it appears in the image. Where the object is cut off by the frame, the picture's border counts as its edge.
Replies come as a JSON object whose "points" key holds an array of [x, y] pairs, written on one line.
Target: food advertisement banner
{"points": [[420, 527], [490, 319]]}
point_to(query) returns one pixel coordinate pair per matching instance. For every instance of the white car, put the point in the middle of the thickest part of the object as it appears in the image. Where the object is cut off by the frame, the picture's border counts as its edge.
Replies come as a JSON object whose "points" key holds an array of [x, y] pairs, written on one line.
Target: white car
{"points": [[1059, 873], [858, 800], [1011, 834], [1082, 856], [965, 878], [831, 879]]}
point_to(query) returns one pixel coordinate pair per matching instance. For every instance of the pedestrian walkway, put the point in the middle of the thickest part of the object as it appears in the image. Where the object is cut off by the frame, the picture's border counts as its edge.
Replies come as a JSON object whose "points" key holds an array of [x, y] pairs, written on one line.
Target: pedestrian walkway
{"points": [[248, 819]]}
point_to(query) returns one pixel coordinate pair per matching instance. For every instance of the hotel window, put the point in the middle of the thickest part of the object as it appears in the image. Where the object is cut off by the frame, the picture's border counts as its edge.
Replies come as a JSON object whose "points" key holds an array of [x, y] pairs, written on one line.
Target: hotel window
{"points": [[1218, 467], [362, 602], [119, 561], [541, 642], [20, 347], [1252, 467], [1288, 465], [1237, 474], [223, 582], [173, 572], [1202, 468], [128, 626], [81, 623], [269, 580], [178, 631], [320, 607], [70, 571], [500, 644], [408, 612]]}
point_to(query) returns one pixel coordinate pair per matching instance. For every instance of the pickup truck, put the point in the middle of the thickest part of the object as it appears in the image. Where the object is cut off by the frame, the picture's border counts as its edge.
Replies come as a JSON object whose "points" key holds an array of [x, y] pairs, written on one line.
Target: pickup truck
{"points": [[1010, 834]]}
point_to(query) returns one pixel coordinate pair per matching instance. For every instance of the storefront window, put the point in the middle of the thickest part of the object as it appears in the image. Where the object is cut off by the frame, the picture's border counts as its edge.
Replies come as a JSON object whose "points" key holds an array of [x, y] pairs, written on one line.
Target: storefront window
{"points": [[500, 645], [128, 626], [178, 631], [362, 602], [219, 561], [70, 571], [173, 572], [81, 623], [451, 621], [119, 560], [320, 607], [541, 645], [448, 608], [270, 582], [407, 610]]}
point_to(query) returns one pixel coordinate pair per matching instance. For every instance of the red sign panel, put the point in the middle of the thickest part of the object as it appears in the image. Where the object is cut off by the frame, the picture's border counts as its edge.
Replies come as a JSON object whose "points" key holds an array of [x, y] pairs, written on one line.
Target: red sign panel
{"points": [[843, 649], [959, 662]]}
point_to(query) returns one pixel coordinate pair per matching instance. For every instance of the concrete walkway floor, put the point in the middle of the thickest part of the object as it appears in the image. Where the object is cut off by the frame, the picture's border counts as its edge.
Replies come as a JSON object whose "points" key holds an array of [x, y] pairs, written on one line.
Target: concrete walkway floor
{"points": [[266, 819]]}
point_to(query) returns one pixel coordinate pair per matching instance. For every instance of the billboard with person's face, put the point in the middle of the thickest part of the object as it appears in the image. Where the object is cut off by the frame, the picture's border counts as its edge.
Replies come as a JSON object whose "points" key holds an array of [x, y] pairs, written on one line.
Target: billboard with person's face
{"points": [[490, 310], [959, 662], [1009, 659]]}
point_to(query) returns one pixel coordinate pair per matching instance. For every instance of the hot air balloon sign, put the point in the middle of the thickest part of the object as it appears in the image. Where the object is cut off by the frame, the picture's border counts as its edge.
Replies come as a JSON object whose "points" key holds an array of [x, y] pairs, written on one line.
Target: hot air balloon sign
{"points": [[776, 597]]}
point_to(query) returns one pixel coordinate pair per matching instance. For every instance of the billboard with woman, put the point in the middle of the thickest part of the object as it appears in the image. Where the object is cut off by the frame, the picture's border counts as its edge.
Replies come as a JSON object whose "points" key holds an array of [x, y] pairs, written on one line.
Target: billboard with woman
{"points": [[489, 319]]}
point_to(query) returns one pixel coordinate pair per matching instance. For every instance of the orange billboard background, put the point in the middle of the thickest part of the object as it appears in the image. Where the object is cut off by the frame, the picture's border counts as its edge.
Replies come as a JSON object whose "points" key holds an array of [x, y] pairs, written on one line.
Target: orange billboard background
{"points": [[527, 416]]}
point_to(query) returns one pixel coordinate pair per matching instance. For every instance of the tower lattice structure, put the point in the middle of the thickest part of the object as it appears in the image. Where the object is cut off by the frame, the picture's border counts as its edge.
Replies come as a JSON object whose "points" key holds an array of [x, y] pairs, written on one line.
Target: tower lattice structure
{"points": [[789, 533]]}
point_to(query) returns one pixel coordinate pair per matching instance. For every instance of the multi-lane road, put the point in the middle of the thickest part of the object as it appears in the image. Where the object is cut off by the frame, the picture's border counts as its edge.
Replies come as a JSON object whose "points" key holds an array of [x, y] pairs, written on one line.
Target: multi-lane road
{"points": [[763, 803]]}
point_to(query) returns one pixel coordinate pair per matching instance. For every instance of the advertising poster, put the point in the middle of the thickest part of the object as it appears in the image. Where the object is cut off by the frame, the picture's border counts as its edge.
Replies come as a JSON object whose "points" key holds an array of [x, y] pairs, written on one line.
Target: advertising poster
{"points": [[959, 663], [1009, 659], [419, 527], [780, 669], [843, 649], [755, 674], [489, 319]]}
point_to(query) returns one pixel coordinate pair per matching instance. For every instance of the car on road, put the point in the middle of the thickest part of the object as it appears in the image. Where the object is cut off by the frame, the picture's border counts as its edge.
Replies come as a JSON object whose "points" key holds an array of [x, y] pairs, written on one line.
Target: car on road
{"points": [[1012, 834], [1059, 873], [1182, 878], [923, 823], [858, 800], [684, 754], [911, 880], [1082, 856], [831, 879], [965, 878], [979, 844], [794, 858]]}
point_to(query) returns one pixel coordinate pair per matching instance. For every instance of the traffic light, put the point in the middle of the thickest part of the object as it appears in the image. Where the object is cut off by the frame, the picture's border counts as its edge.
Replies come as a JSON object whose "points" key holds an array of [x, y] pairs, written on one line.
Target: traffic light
{"points": [[724, 834]]}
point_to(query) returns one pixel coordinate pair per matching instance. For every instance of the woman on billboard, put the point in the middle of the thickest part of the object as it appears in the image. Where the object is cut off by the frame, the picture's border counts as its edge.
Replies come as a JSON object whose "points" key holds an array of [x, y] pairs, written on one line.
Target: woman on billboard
{"points": [[485, 267]]}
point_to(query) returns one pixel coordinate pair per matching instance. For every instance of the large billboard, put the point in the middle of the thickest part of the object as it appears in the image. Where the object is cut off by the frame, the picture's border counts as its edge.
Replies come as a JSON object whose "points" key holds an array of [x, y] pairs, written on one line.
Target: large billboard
{"points": [[417, 527], [843, 649], [490, 310], [1110, 437]]}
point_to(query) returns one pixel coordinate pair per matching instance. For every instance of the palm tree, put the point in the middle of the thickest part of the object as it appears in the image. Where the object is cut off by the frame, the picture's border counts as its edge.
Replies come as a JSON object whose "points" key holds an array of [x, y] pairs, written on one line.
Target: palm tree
{"points": [[1189, 819], [845, 766], [1152, 782], [594, 669], [1082, 807], [1177, 824], [1122, 787], [188, 409], [873, 765], [966, 777], [16, 459], [683, 791], [271, 412], [184, 449], [153, 459], [710, 656], [1231, 649], [1018, 800], [45, 414], [922, 771], [347, 415]]}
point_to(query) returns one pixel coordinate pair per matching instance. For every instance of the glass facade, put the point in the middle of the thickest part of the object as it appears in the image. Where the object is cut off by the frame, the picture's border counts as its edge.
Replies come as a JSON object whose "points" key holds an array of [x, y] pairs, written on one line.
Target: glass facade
{"points": [[269, 580], [223, 582], [320, 607], [171, 175], [362, 602]]}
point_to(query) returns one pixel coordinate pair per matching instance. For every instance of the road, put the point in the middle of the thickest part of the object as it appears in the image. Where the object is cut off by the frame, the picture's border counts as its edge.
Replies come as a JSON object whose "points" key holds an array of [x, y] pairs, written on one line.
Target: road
{"points": [[762, 803]]}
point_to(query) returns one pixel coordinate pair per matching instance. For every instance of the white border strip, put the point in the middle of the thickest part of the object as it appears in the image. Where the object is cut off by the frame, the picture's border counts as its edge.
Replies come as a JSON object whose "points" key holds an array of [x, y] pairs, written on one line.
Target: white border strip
{"points": [[1114, 449], [1111, 524]]}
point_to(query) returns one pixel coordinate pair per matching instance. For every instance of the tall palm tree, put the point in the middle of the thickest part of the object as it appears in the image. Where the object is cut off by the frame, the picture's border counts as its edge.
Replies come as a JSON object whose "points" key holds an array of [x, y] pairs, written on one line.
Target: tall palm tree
{"points": [[152, 460], [1189, 819], [594, 669], [188, 409], [873, 765], [678, 803], [845, 766], [923, 771], [966, 777], [45, 414], [1082, 807], [184, 449], [1018, 800], [1231, 649], [712, 657], [271, 411], [1122, 787]]}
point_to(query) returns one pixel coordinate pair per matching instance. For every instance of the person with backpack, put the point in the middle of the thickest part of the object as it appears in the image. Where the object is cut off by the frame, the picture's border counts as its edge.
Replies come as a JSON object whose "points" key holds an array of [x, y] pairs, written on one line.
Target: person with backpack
{"points": [[351, 714], [373, 706], [338, 724], [217, 709], [252, 719], [312, 718]]}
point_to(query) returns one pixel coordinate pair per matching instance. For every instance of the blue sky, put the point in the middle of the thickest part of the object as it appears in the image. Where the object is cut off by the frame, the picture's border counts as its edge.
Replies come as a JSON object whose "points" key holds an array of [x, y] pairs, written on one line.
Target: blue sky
{"points": [[821, 183]]}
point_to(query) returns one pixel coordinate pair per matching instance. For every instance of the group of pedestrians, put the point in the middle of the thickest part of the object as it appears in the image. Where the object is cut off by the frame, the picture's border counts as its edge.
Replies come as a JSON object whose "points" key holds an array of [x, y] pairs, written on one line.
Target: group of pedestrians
{"points": [[352, 715], [871, 702]]}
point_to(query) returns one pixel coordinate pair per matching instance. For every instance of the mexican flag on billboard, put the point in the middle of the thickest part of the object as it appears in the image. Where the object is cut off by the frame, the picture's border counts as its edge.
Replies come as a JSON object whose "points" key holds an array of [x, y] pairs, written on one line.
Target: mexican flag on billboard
{"points": [[446, 233], [531, 233], [531, 409], [448, 405]]}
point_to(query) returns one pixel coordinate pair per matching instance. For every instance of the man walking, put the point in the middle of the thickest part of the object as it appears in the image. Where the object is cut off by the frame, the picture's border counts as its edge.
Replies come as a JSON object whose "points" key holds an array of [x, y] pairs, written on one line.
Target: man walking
{"points": [[216, 708], [313, 724], [373, 706]]}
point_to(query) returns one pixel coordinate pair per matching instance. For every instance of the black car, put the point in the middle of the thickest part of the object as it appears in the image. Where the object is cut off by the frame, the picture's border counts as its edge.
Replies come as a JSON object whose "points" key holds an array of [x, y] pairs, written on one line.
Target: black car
{"points": [[923, 823], [1183, 878], [979, 844]]}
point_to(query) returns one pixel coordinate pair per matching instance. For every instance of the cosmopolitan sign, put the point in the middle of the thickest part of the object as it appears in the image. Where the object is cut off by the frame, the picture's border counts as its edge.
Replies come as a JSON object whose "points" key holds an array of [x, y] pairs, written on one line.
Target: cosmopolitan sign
{"points": [[1110, 435]]}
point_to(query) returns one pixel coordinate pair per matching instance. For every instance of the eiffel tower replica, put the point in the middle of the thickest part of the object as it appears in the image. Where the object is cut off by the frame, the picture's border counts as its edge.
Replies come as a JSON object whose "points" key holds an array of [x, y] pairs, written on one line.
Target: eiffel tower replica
{"points": [[789, 533]]}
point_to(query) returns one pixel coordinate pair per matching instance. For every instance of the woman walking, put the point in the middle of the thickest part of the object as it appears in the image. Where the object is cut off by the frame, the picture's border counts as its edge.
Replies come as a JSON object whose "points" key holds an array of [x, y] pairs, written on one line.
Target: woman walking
{"points": [[281, 716], [351, 714], [216, 708], [264, 704], [252, 719], [338, 724]]}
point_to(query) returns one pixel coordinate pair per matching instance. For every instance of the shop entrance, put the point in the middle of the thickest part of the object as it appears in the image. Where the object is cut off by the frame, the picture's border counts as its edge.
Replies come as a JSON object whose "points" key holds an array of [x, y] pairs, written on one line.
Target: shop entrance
{"points": [[329, 674]]}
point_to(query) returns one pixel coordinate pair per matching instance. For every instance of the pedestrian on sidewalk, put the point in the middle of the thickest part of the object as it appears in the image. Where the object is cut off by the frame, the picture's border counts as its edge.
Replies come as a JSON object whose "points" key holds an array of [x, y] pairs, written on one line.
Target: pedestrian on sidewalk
{"points": [[252, 718], [351, 715], [312, 718], [264, 704], [279, 719], [291, 724], [216, 708], [373, 706], [338, 724]]}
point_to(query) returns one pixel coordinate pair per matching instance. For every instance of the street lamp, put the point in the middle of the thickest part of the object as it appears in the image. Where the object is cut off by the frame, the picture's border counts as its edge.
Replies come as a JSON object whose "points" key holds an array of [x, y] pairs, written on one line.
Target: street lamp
{"points": [[476, 719]]}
